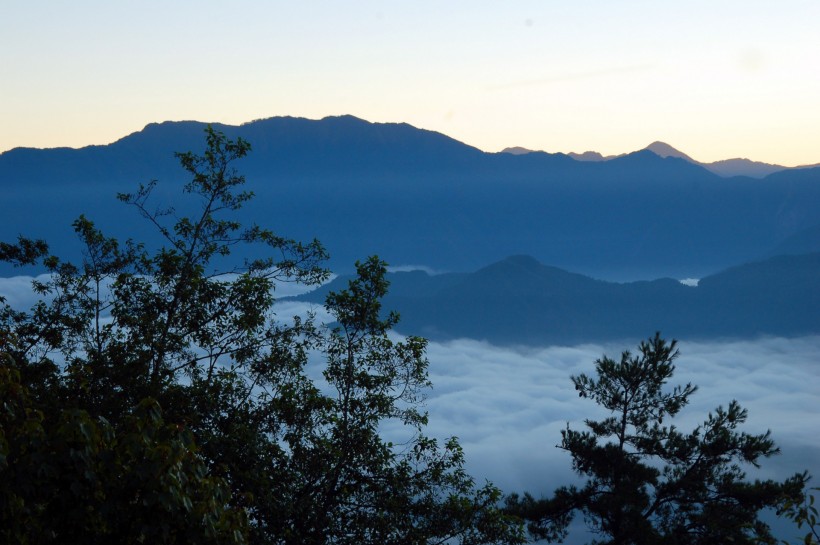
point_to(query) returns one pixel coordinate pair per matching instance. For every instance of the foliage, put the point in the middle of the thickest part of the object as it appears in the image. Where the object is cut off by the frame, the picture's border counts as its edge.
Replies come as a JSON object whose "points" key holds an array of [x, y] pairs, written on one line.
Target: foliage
{"points": [[187, 328], [803, 513], [651, 483], [71, 478], [353, 486]]}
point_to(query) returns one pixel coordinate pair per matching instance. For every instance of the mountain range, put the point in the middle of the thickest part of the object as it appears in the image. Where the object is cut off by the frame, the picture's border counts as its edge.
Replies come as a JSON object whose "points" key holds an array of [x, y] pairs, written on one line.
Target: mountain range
{"points": [[519, 301], [726, 168], [417, 197]]}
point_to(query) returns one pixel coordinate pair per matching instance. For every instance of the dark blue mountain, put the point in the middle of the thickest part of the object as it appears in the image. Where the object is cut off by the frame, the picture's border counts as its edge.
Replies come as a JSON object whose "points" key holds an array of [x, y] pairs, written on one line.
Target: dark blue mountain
{"points": [[520, 301], [802, 242], [418, 197]]}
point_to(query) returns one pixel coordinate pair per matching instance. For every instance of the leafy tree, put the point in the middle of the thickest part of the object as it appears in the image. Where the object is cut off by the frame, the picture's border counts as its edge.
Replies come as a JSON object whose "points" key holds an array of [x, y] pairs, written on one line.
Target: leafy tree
{"points": [[649, 482], [803, 513], [352, 486], [73, 478], [193, 329]]}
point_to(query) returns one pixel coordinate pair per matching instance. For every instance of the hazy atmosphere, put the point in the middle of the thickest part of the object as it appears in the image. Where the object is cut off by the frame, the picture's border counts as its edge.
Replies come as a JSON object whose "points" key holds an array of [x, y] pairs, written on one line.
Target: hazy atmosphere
{"points": [[448, 139]]}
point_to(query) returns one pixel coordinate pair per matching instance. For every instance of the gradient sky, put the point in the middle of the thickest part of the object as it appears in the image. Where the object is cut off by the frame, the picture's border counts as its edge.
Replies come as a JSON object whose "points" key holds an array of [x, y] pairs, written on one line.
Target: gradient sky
{"points": [[714, 79]]}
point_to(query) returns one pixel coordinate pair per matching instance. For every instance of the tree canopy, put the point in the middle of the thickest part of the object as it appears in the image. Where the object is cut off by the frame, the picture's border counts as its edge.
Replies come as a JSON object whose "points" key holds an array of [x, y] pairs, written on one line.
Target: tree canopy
{"points": [[157, 386], [647, 481]]}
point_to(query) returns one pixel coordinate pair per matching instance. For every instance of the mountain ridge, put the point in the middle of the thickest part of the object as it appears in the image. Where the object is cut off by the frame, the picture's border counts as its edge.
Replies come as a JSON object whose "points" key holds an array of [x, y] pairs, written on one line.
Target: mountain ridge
{"points": [[736, 166], [519, 301], [416, 196]]}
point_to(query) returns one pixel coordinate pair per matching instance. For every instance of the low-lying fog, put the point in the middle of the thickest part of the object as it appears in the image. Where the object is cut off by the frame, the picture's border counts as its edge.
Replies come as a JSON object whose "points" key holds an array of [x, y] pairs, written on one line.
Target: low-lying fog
{"points": [[508, 406]]}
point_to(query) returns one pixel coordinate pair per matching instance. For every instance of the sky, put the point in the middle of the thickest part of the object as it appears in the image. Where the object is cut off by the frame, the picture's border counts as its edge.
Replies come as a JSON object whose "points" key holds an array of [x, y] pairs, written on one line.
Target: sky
{"points": [[714, 79]]}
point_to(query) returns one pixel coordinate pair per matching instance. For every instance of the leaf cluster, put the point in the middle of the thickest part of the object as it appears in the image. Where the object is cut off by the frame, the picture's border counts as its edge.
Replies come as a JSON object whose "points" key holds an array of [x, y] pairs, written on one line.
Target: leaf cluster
{"points": [[69, 477], [803, 512]]}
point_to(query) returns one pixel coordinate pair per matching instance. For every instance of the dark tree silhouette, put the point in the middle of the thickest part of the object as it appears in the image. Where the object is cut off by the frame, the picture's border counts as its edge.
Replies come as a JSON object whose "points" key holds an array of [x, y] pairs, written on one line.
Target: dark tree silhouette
{"points": [[135, 343], [648, 482]]}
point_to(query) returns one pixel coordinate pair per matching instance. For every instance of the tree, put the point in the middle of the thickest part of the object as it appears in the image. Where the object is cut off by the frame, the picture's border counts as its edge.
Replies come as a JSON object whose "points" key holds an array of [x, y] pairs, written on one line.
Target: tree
{"points": [[803, 513], [649, 482], [354, 487], [73, 478], [188, 328]]}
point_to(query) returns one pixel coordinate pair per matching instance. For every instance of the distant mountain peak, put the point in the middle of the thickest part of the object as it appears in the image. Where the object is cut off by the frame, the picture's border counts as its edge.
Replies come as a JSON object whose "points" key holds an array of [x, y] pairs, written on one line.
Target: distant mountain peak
{"points": [[726, 168], [347, 118], [743, 167], [520, 262], [665, 150], [523, 260], [588, 156], [517, 150]]}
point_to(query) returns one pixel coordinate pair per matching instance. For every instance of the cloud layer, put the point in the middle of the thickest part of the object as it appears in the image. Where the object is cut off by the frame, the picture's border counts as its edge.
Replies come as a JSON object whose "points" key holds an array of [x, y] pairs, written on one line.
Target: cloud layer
{"points": [[509, 405]]}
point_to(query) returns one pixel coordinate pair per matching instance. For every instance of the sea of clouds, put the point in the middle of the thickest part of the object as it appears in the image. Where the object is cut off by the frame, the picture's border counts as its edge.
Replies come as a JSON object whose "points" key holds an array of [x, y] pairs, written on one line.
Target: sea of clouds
{"points": [[508, 405]]}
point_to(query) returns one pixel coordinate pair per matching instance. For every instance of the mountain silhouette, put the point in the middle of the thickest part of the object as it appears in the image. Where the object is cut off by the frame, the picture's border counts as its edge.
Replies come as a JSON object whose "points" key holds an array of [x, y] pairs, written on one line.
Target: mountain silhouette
{"points": [[520, 301], [725, 168], [415, 196], [665, 150]]}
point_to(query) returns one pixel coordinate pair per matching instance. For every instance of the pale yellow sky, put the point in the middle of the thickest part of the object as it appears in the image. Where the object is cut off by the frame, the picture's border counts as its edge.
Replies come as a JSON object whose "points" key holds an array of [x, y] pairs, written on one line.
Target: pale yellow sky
{"points": [[714, 79]]}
